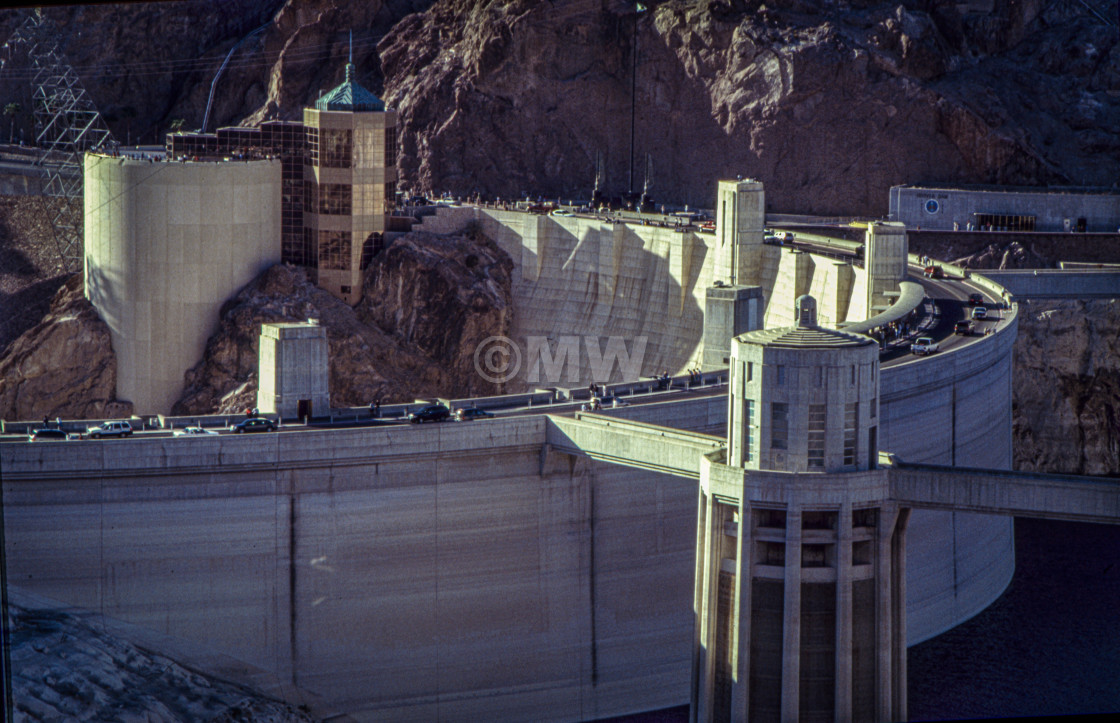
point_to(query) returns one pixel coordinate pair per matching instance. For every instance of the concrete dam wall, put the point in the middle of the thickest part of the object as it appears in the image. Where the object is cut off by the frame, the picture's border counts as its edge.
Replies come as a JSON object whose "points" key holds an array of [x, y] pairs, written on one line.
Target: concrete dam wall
{"points": [[465, 571], [409, 573], [584, 277]]}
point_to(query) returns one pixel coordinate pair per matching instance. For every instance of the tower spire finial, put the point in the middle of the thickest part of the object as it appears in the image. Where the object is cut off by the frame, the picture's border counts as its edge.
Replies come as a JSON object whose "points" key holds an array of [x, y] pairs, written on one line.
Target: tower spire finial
{"points": [[350, 60]]}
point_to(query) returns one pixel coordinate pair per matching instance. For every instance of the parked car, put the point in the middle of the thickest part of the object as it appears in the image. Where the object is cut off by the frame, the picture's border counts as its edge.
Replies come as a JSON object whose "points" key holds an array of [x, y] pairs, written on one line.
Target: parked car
{"points": [[975, 299], [923, 345], [110, 429], [192, 431], [253, 424], [963, 327], [469, 414], [47, 435], [429, 413], [979, 312]]}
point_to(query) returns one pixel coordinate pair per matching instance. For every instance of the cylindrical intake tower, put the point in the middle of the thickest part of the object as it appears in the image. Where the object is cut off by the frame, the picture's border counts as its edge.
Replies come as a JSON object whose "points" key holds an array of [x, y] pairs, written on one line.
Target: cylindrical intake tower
{"points": [[166, 244], [803, 399], [800, 564]]}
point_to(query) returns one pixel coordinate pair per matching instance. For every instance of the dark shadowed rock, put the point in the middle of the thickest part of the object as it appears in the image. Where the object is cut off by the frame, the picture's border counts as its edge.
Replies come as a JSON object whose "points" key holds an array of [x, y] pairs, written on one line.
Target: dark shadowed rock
{"points": [[442, 295], [428, 300], [1066, 414], [63, 366]]}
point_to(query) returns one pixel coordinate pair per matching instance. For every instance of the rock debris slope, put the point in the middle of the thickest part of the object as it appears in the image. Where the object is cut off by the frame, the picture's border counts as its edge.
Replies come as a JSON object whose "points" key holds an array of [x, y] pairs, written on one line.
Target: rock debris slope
{"points": [[66, 669]]}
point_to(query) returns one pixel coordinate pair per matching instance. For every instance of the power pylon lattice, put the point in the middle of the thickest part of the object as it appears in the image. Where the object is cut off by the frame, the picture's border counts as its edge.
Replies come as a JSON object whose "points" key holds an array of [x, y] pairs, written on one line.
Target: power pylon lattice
{"points": [[67, 124]]}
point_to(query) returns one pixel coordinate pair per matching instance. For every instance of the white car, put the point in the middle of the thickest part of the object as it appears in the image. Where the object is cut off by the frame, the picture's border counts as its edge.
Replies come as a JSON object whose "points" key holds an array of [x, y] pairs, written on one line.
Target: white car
{"points": [[923, 345], [192, 431], [110, 429], [979, 312]]}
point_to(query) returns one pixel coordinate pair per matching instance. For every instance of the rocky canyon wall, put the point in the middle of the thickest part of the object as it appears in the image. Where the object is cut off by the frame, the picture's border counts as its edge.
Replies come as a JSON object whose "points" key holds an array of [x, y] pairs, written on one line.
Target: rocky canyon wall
{"points": [[829, 104], [1066, 414]]}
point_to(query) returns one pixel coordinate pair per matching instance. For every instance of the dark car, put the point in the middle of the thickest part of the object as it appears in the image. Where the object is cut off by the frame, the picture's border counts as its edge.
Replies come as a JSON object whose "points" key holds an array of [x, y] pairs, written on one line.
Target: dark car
{"points": [[975, 299], [470, 414], [47, 435], [430, 413], [253, 424], [963, 327]]}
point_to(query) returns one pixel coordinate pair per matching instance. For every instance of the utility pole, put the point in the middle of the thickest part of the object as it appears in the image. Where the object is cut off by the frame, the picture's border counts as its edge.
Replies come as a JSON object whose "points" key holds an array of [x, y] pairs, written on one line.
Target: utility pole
{"points": [[639, 8]]}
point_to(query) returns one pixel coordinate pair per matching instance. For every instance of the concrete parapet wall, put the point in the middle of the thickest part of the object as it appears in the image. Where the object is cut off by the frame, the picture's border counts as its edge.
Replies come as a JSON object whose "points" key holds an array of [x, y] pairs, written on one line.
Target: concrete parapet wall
{"points": [[22, 180], [1051, 284]]}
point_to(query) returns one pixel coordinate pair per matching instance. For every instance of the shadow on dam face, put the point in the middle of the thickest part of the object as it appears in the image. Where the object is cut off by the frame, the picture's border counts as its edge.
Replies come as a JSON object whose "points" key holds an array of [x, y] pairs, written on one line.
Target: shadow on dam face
{"points": [[601, 302]]}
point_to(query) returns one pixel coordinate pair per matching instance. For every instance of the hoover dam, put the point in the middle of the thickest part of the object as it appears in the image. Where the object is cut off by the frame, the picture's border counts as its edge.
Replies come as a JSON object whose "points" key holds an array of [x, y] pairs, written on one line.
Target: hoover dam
{"points": [[485, 571]]}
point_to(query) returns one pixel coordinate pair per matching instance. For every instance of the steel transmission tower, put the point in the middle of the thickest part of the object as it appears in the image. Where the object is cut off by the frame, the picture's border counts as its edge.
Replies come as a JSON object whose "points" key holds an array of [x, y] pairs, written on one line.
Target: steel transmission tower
{"points": [[66, 125]]}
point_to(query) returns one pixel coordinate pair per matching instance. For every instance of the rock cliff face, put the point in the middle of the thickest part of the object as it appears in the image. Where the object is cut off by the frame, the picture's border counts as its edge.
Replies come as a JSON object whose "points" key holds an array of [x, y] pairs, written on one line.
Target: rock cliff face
{"points": [[428, 301], [62, 367], [829, 104], [443, 296], [1067, 387]]}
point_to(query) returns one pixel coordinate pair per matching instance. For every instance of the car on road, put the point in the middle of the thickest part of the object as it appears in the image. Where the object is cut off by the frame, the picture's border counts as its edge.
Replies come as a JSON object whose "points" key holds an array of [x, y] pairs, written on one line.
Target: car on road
{"points": [[47, 435], [110, 429], [934, 272], [979, 312], [975, 299], [193, 432], [963, 327], [469, 414], [429, 413], [253, 424], [923, 345]]}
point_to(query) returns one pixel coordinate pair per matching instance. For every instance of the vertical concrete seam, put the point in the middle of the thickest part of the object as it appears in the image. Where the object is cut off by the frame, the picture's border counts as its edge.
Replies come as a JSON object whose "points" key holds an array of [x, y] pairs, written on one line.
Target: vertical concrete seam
{"points": [[591, 585], [293, 640]]}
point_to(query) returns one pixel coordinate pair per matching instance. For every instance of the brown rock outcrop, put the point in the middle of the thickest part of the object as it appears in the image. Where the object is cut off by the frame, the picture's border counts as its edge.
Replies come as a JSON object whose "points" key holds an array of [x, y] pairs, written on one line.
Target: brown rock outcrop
{"points": [[828, 104], [443, 296], [1066, 414], [428, 301], [64, 366], [828, 107]]}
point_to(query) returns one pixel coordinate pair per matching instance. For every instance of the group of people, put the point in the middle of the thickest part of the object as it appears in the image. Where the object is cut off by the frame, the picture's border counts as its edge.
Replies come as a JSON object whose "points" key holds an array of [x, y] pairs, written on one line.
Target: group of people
{"points": [[695, 376]]}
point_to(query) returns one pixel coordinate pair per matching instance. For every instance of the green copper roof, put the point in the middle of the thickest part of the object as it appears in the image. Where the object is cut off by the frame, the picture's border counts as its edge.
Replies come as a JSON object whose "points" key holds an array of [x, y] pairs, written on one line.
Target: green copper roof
{"points": [[349, 96]]}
